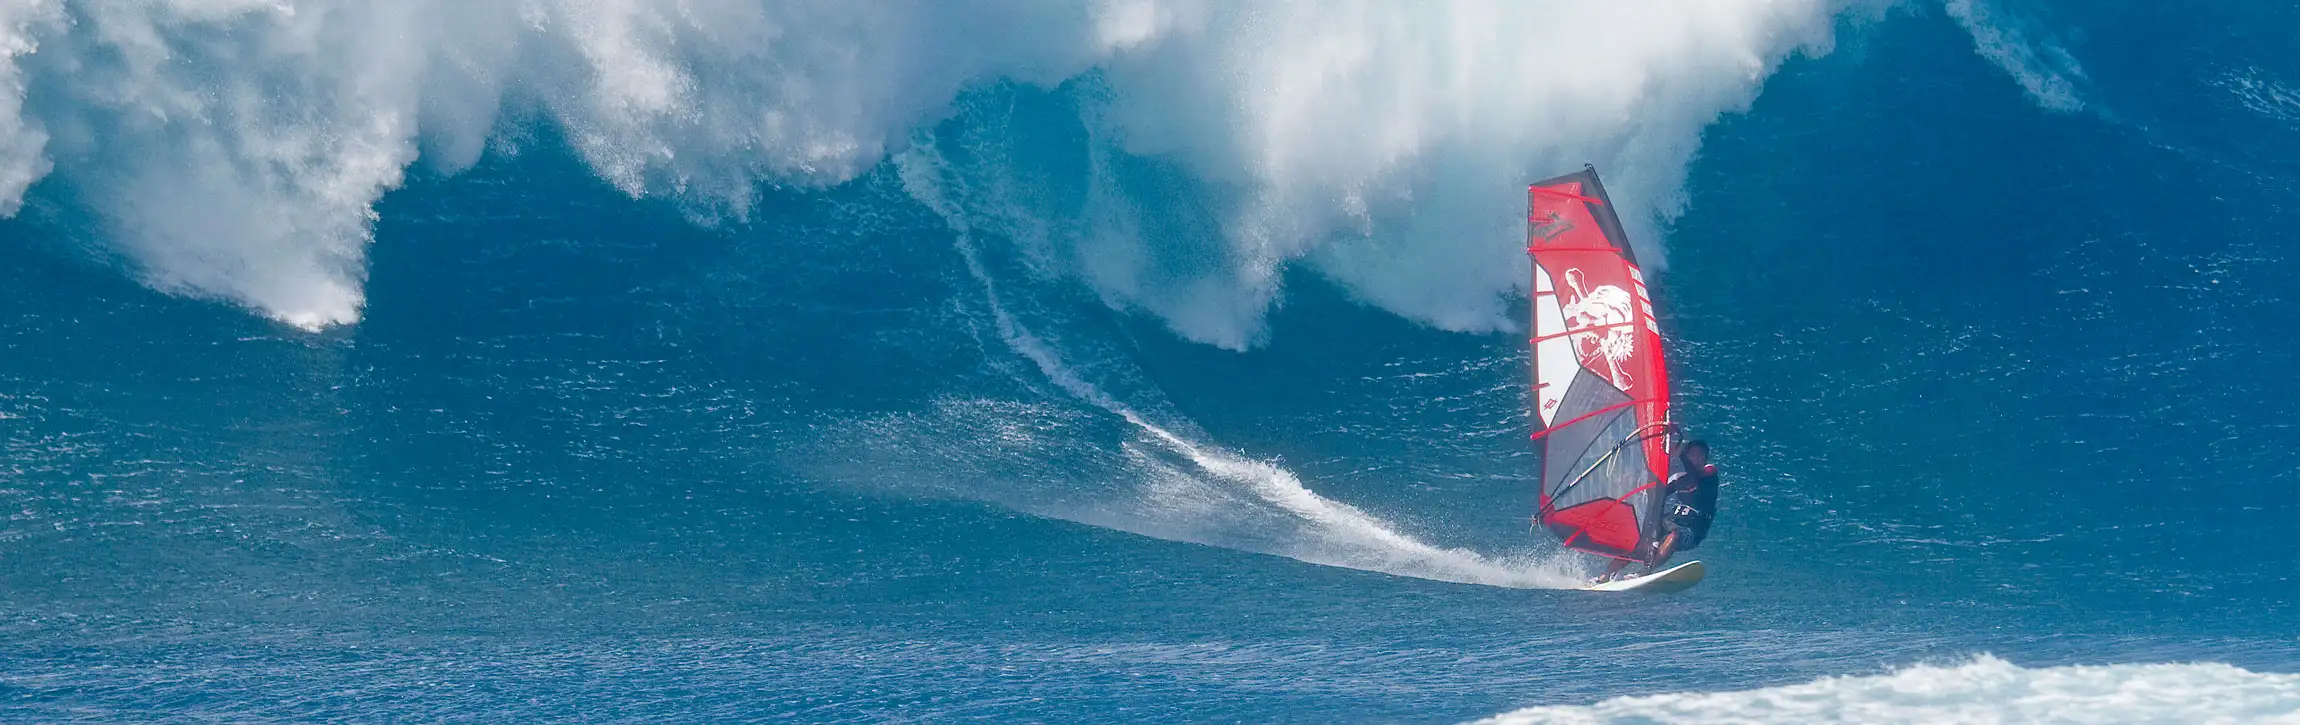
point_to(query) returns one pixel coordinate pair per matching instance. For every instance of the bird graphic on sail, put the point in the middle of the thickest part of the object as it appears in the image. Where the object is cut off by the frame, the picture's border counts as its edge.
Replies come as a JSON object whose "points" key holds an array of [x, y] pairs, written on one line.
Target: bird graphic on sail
{"points": [[1599, 324]]}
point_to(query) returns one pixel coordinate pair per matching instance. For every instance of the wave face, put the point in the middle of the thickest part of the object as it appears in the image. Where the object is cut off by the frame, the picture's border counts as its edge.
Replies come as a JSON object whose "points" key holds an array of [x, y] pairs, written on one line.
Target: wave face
{"points": [[861, 362], [1985, 690], [237, 150]]}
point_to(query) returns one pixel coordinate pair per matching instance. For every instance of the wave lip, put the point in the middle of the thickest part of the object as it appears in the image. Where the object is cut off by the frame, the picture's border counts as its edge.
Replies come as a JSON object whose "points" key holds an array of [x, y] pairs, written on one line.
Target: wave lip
{"points": [[1985, 690], [237, 149]]}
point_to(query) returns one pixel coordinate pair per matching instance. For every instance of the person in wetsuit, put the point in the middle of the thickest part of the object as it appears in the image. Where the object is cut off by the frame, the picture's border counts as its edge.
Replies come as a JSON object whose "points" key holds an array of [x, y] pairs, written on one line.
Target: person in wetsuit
{"points": [[1690, 505], [1685, 512]]}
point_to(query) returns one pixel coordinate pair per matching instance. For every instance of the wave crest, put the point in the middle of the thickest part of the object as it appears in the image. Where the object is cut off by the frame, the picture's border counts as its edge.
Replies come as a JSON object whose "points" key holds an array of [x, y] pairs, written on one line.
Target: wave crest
{"points": [[235, 149]]}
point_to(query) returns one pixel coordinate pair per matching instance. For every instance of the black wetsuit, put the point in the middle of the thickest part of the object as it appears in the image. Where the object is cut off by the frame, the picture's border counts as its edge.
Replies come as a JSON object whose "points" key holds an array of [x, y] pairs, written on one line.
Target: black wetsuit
{"points": [[1691, 503]]}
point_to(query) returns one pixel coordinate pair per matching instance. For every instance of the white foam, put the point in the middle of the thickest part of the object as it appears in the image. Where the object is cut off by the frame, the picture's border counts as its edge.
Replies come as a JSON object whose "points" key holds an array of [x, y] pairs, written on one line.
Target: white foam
{"points": [[1985, 690], [2047, 72], [1382, 144], [2262, 94], [1388, 143], [23, 144], [236, 148]]}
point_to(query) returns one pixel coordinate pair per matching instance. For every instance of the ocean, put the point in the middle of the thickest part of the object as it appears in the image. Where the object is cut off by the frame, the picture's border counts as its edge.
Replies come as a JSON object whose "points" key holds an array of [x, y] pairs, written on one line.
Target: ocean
{"points": [[1132, 360]]}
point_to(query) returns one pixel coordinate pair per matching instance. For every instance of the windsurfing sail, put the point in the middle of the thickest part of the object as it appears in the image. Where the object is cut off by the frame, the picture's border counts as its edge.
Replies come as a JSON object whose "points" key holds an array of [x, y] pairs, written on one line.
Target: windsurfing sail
{"points": [[1601, 395]]}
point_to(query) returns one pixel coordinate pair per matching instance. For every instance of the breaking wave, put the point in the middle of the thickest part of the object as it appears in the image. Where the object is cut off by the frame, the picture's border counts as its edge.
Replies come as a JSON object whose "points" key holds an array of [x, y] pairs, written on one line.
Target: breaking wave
{"points": [[236, 149], [1986, 690]]}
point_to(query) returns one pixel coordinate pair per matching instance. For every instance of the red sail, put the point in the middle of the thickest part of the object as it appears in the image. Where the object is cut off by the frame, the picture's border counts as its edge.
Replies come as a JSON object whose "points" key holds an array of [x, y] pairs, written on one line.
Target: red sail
{"points": [[1601, 391]]}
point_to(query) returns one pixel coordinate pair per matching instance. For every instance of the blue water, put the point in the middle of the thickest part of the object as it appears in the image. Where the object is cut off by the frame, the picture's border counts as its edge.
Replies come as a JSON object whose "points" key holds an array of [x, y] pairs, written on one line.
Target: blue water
{"points": [[1995, 348]]}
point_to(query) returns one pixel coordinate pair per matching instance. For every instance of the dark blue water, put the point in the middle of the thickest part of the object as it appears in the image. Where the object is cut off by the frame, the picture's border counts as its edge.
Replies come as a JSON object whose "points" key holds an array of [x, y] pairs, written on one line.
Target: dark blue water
{"points": [[1986, 377]]}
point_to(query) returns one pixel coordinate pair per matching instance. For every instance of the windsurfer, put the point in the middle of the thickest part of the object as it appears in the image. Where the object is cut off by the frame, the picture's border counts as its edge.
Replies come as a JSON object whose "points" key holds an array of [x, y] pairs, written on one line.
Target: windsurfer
{"points": [[1686, 512], [1691, 505]]}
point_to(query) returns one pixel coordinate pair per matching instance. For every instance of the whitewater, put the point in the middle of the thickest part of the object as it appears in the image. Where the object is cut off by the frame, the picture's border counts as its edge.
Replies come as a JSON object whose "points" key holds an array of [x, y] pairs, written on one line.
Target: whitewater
{"points": [[1136, 360], [1986, 690], [274, 128]]}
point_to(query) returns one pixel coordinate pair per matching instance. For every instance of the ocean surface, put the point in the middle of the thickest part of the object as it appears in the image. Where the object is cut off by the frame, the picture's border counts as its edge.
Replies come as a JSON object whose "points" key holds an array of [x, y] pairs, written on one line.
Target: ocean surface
{"points": [[1132, 360]]}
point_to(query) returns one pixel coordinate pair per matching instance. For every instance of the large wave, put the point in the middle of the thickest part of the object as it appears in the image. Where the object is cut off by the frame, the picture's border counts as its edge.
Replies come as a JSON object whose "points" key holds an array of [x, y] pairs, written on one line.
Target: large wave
{"points": [[236, 149], [1986, 690]]}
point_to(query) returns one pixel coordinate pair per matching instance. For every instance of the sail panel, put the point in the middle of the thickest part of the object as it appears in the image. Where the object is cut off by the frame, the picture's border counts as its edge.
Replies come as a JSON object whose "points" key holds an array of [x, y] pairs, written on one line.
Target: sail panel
{"points": [[1601, 392]]}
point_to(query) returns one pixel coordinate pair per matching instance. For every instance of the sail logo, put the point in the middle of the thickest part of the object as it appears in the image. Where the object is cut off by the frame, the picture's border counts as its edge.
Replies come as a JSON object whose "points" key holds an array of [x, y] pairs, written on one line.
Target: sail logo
{"points": [[1597, 321], [1548, 224]]}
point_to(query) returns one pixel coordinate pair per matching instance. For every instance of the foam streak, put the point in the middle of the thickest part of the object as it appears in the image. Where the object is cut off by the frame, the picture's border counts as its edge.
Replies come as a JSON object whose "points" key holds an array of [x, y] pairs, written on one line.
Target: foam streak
{"points": [[2042, 69], [1986, 690]]}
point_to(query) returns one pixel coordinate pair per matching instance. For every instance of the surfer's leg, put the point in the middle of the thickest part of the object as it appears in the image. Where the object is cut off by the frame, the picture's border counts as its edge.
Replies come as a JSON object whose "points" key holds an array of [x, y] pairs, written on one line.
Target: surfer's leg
{"points": [[1661, 554], [1618, 565]]}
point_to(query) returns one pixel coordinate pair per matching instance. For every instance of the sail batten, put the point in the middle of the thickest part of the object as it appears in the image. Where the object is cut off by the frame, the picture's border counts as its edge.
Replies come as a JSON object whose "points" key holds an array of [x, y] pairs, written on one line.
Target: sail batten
{"points": [[1601, 389]]}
